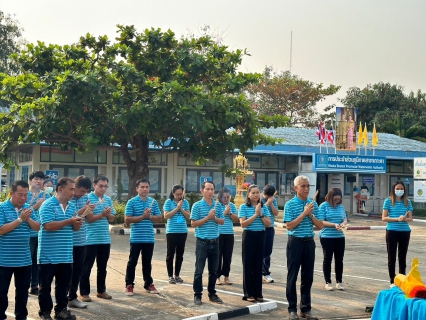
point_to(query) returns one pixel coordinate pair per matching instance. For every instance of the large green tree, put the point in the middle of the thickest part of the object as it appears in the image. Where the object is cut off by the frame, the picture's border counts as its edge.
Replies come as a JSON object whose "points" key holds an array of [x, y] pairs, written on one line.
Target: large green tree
{"points": [[11, 41], [283, 93], [390, 109], [182, 95]]}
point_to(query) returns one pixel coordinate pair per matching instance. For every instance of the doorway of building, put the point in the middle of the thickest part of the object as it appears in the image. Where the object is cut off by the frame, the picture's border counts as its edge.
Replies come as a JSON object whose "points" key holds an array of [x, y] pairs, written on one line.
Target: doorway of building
{"points": [[322, 186]]}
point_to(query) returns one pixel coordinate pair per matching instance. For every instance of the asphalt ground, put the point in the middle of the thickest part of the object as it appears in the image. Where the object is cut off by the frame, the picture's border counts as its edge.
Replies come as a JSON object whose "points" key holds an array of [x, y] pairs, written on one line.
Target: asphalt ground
{"points": [[365, 274]]}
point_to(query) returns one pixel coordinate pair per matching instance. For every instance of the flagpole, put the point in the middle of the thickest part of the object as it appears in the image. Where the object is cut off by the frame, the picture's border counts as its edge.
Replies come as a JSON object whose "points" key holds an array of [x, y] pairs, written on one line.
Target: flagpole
{"points": [[335, 137]]}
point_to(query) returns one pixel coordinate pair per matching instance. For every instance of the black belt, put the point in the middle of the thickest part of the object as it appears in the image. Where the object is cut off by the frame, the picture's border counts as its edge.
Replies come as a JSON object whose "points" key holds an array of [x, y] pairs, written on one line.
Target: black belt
{"points": [[301, 239], [208, 240]]}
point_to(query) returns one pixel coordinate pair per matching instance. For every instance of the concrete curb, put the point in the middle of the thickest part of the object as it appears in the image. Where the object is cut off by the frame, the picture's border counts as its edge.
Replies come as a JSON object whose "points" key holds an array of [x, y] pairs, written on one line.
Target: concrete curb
{"points": [[125, 231], [255, 308]]}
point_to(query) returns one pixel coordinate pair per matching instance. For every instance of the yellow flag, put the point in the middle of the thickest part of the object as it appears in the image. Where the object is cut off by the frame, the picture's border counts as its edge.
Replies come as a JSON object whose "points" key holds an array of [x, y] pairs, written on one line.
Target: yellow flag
{"points": [[365, 135], [375, 139], [360, 134]]}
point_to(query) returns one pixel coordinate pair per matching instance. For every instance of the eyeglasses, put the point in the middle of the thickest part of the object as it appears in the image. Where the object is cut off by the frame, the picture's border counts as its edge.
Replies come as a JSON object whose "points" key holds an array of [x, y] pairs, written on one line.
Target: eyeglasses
{"points": [[337, 199], [102, 186]]}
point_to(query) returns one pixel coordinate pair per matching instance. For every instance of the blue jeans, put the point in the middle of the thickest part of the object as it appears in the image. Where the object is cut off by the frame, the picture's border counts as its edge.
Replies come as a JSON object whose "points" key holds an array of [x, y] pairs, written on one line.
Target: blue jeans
{"points": [[22, 283], [269, 244], [205, 250]]}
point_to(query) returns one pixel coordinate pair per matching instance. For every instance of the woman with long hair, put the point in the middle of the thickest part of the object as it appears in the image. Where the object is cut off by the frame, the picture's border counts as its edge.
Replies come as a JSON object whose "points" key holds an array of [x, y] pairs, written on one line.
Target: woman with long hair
{"points": [[226, 235], [176, 211], [397, 212], [332, 237], [254, 218]]}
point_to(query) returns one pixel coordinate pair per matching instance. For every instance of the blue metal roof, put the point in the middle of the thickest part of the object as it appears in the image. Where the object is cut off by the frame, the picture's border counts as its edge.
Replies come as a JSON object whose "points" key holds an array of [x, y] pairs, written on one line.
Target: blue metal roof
{"points": [[301, 141]]}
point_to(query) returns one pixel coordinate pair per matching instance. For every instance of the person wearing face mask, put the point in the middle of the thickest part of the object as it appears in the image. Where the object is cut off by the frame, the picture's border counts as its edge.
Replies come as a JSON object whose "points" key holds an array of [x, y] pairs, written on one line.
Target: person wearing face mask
{"points": [[397, 212], [226, 235], [48, 186]]}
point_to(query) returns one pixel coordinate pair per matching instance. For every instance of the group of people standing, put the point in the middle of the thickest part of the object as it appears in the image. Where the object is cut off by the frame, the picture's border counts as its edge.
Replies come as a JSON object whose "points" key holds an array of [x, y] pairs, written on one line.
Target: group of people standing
{"points": [[67, 231]]}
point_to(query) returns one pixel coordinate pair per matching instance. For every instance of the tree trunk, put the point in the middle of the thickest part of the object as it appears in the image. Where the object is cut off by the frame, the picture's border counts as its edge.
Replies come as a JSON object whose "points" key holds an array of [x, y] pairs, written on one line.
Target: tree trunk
{"points": [[138, 168]]}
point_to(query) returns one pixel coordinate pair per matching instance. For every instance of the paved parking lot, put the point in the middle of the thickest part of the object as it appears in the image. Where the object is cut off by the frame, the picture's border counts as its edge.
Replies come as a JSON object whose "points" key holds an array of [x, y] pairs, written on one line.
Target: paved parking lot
{"points": [[365, 274]]}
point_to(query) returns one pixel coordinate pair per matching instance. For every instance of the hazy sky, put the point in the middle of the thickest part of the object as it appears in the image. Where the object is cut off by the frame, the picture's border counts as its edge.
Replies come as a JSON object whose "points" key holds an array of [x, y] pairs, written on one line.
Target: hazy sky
{"points": [[341, 42]]}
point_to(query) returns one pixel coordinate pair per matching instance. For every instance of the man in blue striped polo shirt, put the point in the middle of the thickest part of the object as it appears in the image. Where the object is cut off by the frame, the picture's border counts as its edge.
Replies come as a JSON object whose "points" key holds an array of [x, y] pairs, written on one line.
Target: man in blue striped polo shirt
{"points": [[141, 212], [301, 215], [59, 220], [16, 220], [98, 239], [36, 197], [205, 217], [81, 201]]}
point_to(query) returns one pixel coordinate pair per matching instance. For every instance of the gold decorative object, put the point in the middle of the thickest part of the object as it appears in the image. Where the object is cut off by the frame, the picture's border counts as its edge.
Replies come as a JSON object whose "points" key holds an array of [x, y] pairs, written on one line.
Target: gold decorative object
{"points": [[241, 169]]}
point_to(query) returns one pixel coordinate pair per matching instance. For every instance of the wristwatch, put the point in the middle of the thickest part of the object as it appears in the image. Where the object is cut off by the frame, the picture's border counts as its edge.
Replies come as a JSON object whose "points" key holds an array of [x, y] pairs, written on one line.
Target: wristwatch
{"points": [[261, 216], [19, 220]]}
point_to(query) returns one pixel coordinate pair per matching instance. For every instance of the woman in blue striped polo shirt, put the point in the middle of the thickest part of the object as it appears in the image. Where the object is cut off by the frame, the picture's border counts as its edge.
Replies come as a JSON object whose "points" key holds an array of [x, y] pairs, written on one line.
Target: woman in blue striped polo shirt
{"points": [[332, 237], [176, 211], [397, 212], [254, 217], [226, 235]]}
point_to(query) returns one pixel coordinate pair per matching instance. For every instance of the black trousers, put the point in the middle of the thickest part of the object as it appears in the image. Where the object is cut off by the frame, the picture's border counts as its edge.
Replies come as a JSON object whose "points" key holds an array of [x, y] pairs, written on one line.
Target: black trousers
{"points": [[34, 267], [253, 247], [145, 250], [332, 246], [22, 276], [100, 253], [175, 245], [300, 255], [79, 254], [62, 273], [226, 247], [397, 241]]}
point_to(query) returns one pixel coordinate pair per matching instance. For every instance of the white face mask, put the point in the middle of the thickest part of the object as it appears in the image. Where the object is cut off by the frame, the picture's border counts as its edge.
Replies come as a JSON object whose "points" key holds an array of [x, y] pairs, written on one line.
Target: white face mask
{"points": [[399, 193], [48, 190]]}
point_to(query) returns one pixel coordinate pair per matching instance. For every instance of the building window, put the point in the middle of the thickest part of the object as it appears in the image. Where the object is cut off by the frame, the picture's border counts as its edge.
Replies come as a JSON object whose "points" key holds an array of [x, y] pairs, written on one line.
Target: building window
{"points": [[153, 159], [186, 161], [366, 181], [264, 178], [395, 166], [24, 174], [55, 154], [12, 175], [154, 178], [193, 179], [26, 154], [75, 171]]}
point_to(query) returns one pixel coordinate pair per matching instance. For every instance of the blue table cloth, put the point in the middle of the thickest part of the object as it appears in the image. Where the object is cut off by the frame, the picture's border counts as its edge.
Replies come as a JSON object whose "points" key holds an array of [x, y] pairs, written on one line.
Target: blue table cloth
{"points": [[392, 304]]}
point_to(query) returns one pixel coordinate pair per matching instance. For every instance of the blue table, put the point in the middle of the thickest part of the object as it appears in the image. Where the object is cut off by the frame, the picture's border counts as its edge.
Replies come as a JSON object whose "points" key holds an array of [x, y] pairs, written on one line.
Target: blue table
{"points": [[392, 304]]}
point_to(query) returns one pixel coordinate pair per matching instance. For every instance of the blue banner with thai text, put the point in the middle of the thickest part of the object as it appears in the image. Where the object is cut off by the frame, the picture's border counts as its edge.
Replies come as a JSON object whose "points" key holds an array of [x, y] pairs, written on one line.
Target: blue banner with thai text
{"points": [[348, 163]]}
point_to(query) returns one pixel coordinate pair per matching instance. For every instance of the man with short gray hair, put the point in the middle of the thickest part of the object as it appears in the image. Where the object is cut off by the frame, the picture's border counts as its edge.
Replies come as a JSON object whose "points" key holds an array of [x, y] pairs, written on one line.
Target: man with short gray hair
{"points": [[301, 215]]}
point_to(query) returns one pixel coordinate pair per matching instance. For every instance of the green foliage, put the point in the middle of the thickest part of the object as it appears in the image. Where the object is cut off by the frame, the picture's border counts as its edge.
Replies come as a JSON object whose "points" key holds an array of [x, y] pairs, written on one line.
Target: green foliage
{"points": [[390, 109], [160, 200], [182, 95], [192, 198], [5, 194], [120, 188], [421, 212], [120, 208], [283, 93], [11, 41]]}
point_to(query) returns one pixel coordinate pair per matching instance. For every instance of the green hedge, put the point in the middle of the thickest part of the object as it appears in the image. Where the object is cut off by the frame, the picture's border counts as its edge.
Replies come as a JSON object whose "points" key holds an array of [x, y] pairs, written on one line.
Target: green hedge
{"points": [[419, 212]]}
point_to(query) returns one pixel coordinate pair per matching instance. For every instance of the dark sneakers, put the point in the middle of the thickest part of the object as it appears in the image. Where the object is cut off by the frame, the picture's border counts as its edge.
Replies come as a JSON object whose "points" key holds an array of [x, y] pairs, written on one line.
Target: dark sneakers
{"points": [[65, 315], [34, 291], [197, 300], [307, 315], [45, 316], [215, 298]]}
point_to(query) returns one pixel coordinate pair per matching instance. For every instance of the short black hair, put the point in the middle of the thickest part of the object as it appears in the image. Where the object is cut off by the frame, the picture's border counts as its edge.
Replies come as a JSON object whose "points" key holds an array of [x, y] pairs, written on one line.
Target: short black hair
{"points": [[175, 187], [63, 182], [143, 180], [46, 181], [100, 177], [83, 182], [36, 174], [269, 190], [19, 183], [203, 185]]}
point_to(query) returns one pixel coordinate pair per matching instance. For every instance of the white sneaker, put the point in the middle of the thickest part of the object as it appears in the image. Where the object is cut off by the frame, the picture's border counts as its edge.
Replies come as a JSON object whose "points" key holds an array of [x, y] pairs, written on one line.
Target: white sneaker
{"points": [[76, 304], [339, 286], [268, 278], [328, 287]]}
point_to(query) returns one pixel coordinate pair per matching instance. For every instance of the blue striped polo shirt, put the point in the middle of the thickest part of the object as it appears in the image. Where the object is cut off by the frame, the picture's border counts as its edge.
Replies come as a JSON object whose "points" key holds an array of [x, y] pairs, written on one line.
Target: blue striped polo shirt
{"points": [[98, 232], [395, 212], [292, 209], [271, 215], [334, 215], [32, 202], [210, 229], [248, 211], [142, 231], [228, 226], [79, 237], [177, 223], [55, 246], [14, 248]]}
